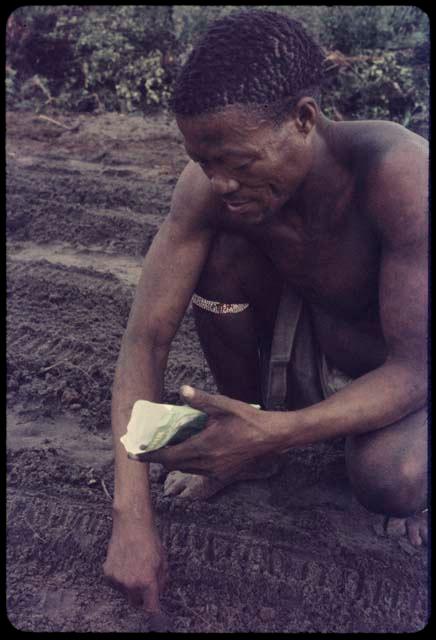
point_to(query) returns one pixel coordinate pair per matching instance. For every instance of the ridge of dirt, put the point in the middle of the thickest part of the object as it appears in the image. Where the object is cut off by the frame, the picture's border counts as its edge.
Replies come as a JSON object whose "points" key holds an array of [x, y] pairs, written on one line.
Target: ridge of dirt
{"points": [[84, 214], [91, 186], [125, 268]]}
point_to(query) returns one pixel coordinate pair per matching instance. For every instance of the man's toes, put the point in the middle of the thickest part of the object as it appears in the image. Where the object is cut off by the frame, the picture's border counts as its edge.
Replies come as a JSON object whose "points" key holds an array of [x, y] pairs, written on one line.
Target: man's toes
{"points": [[424, 534], [413, 527], [395, 527], [194, 491], [189, 485], [417, 531], [413, 532], [201, 488], [175, 483]]}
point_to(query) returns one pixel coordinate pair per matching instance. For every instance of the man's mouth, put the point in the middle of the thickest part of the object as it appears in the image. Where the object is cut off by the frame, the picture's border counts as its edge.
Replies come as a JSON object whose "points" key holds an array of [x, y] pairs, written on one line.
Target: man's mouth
{"points": [[237, 206]]}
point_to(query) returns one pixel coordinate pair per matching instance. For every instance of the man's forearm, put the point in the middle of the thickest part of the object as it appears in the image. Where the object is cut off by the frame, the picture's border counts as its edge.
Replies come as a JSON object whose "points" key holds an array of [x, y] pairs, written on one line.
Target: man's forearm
{"points": [[139, 375], [377, 399]]}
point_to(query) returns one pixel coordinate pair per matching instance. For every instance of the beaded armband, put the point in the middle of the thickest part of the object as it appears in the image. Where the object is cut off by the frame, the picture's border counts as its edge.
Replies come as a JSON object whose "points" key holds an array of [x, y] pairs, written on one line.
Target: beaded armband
{"points": [[218, 307]]}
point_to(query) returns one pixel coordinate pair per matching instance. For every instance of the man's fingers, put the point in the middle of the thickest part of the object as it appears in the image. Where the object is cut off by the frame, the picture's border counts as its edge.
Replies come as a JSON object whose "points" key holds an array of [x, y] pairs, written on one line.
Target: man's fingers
{"points": [[148, 456], [159, 456], [212, 404], [147, 597], [159, 622], [134, 597], [162, 578], [151, 604], [157, 619], [186, 457]]}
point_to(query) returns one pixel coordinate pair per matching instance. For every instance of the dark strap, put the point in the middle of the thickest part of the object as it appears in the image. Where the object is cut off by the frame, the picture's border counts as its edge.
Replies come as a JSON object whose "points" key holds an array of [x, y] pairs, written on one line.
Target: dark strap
{"points": [[275, 385]]}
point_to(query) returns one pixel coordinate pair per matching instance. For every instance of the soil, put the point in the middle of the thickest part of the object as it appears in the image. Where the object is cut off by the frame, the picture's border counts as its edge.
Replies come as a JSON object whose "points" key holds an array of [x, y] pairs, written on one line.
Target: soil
{"points": [[293, 553]]}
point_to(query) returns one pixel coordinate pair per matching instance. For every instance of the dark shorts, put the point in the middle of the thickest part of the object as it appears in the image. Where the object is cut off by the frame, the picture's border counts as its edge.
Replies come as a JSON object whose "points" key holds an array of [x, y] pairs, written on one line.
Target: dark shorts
{"points": [[294, 372]]}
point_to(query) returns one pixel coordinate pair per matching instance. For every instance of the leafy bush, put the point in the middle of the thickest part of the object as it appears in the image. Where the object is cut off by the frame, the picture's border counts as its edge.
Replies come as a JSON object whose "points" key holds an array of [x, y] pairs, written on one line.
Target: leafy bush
{"points": [[381, 85], [125, 58], [11, 83], [353, 29], [111, 56]]}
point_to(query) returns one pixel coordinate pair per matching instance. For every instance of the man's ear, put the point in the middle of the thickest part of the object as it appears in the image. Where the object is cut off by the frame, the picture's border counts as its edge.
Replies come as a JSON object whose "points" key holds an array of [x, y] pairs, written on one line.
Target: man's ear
{"points": [[305, 114]]}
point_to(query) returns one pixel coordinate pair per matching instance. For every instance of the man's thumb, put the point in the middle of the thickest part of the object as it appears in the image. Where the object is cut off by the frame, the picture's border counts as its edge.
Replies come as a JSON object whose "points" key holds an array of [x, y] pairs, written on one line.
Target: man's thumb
{"points": [[212, 404]]}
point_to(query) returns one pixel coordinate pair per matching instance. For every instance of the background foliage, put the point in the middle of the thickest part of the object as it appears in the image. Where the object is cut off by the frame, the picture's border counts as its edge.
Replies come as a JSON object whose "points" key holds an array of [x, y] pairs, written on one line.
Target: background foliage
{"points": [[125, 58]]}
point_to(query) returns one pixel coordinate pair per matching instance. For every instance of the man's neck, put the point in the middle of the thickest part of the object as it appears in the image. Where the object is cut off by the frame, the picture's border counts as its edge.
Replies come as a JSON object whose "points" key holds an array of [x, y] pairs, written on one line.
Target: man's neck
{"points": [[326, 189]]}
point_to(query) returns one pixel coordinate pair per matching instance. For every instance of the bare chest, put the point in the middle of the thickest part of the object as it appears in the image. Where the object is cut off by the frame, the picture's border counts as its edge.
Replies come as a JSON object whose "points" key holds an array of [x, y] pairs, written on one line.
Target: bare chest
{"points": [[336, 272], [334, 268]]}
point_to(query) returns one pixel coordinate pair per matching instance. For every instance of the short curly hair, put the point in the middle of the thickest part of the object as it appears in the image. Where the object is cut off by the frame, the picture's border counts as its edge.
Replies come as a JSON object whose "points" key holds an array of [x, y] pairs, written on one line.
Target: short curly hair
{"points": [[257, 58]]}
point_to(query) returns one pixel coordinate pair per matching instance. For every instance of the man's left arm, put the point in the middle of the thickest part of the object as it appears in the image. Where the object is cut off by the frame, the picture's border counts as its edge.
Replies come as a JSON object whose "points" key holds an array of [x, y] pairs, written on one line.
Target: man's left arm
{"points": [[398, 206]]}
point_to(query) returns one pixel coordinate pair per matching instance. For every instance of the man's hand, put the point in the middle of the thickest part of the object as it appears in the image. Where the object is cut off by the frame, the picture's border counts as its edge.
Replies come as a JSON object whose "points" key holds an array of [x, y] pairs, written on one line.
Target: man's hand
{"points": [[136, 563], [235, 435]]}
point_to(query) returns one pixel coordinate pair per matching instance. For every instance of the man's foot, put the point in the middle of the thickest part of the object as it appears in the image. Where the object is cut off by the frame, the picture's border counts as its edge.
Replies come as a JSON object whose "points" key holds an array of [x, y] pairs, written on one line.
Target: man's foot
{"points": [[415, 528], [195, 487]]}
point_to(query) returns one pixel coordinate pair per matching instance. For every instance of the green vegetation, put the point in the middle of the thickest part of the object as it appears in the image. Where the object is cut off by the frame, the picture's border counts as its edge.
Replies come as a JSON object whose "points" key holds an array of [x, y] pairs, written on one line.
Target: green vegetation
{"points": [[125, 58]]}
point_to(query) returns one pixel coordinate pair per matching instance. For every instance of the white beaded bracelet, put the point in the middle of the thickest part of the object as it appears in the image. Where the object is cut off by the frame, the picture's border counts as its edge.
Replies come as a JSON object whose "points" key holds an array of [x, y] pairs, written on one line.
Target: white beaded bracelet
{"points": [[218, 307]]}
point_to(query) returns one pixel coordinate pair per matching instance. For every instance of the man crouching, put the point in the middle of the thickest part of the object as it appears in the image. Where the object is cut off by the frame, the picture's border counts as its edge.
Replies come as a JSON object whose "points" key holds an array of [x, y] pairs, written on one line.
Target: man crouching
{"points": [[302, 243]]}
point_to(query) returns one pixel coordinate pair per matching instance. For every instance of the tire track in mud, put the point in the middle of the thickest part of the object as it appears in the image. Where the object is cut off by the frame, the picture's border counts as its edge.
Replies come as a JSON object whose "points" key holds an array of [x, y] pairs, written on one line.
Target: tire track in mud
{"points": [[65, 358], [293, 580]]}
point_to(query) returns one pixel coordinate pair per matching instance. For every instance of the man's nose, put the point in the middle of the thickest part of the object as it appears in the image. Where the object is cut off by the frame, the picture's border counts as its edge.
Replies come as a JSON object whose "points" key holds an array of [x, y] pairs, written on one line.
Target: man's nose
{"points": [[222, 185]]}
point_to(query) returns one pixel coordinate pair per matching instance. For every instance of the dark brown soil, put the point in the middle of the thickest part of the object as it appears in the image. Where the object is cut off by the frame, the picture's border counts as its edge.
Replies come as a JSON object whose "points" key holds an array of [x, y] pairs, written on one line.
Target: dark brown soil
{"points": [[293, 553]]}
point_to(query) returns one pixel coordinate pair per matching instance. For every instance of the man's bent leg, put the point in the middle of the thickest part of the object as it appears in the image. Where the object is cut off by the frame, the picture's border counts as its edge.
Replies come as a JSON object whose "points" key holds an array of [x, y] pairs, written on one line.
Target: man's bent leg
{"points": [[237, 274], [388, 472]]}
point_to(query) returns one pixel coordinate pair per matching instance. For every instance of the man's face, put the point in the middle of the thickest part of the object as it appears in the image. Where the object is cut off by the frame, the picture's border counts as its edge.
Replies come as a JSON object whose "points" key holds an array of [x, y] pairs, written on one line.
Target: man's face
{"points": [[254, 166]]}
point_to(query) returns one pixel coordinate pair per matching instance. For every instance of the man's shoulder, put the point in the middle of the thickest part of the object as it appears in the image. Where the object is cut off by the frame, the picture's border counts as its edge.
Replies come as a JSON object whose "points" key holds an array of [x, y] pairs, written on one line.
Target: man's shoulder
{"points": [[370, 142], [391, 155], [394, 180], [193, 198]]}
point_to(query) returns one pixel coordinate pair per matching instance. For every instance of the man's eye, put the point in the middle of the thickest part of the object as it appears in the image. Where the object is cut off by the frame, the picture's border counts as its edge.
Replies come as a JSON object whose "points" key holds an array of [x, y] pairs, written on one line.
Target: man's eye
{"points": [[242, 166]]}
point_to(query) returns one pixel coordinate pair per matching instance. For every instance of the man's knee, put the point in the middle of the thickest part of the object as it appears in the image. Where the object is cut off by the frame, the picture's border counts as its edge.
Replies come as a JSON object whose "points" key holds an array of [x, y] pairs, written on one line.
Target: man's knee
{"points": [[223, 263], [236, 271], [400, 494], [393, 489], [387, 476]]}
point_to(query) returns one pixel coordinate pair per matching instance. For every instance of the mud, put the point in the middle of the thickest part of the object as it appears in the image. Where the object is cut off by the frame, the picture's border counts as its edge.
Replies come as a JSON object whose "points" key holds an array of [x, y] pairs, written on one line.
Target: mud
{"points": [[293, 553]]}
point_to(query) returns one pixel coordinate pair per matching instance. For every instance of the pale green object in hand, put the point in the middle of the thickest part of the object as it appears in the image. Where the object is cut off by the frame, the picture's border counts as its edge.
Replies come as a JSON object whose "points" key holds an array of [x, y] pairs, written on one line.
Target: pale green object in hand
{"points": [[155, 425]]}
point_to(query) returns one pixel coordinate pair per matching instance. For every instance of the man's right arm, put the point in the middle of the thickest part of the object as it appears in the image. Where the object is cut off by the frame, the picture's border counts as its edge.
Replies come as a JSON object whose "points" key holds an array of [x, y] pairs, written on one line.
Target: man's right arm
{"points": [[170, 272]]}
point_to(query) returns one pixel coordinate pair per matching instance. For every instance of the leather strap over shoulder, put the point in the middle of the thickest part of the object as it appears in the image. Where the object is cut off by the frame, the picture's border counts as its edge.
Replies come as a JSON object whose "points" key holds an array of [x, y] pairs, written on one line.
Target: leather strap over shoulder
{"points": [[275, 384]]}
